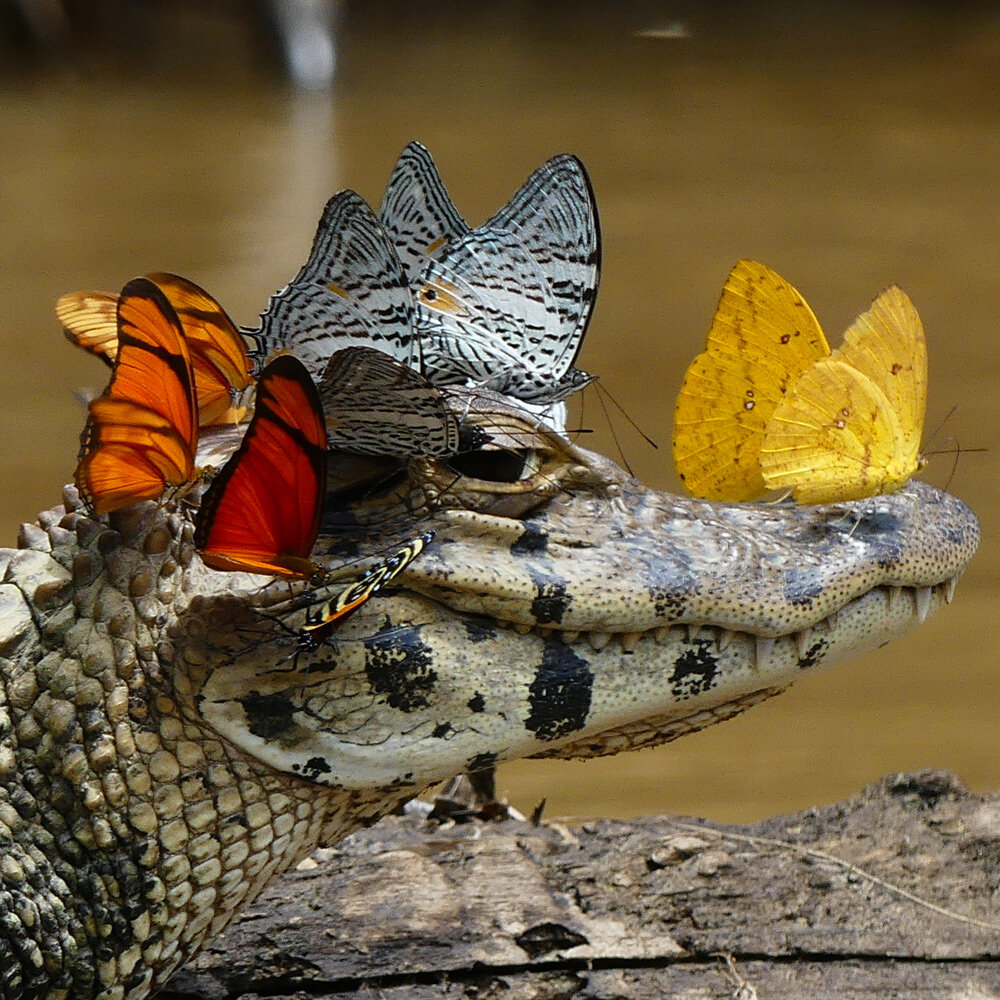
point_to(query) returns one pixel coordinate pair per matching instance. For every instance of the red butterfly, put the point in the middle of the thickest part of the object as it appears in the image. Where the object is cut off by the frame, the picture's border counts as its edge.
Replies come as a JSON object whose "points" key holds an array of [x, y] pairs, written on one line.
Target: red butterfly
{"points": [[261, 514], [141, 434]]}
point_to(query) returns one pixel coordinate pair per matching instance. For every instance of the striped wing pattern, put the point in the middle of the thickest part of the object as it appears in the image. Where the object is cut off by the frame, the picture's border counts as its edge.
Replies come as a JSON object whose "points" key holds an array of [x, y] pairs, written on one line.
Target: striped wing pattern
{"points": [[323, 619], [376, 405], [262, 512], [141, 434], [352, 292], [509, 303], [417, 212]]}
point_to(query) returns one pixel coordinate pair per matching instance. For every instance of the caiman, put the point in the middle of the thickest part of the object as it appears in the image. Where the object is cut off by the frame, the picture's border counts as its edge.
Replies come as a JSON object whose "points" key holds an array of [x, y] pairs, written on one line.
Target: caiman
{"points": [[168, 744]]}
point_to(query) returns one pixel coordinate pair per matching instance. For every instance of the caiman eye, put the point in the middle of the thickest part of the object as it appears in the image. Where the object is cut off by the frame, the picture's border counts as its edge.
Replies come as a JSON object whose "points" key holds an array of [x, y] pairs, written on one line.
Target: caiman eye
{"points": [[494, 466]]}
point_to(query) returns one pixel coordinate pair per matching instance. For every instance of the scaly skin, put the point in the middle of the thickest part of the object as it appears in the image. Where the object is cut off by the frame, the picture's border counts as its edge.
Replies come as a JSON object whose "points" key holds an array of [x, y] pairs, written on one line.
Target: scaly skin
{"points": [[166, 748]]}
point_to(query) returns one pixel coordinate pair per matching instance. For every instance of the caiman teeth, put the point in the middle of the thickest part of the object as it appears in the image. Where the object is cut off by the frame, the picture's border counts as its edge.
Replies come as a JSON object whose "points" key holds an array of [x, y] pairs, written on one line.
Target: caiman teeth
{"points": [[598, 639], [630, 640], [894, 595], [764, 649], [922, 602], [917, 600], [803, 640]]}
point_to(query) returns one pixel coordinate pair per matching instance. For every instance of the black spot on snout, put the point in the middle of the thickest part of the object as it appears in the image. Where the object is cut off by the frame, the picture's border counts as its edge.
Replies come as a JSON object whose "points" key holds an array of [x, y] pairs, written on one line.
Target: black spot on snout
{"points": [[694, 671], [560, 694], [398, 666], [531, 540], [801, 586], [479, 629], [813, 654], [313, 767], [552, 601], [477, 703], [269, 716]]}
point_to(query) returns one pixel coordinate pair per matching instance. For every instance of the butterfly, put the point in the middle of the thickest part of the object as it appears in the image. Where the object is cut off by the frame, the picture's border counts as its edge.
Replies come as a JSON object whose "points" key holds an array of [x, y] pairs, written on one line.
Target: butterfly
{"points": [[262, 511], [850, 426], [763, 340], [321, 622], [351, 292], [417, 211], [141, 434], [218, 354], [509, 302], [376, 405]]}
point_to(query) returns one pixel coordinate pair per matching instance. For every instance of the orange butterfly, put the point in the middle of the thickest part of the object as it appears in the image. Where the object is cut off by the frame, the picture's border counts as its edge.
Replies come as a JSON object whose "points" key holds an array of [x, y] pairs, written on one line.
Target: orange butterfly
{"points": [[261, 514], [218, 353], [141, 435]]}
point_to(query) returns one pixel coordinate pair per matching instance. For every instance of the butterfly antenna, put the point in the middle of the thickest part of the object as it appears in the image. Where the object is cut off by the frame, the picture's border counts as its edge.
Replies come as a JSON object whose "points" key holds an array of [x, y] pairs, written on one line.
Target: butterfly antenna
{"points": [[603, 390], [937, 430], [614, 435]]}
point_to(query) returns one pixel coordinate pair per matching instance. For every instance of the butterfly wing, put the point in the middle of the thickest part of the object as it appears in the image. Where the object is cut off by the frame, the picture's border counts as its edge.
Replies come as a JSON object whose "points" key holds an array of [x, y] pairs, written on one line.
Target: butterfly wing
{"points": [[261, 514], [144, 428], [376, 405], [417, 212], [850, 426], [218, 354], [329, 616], [887, 345], [554, 215], [90, 320], [763, 336], [351, 292], [129, 454], [482, 313]]}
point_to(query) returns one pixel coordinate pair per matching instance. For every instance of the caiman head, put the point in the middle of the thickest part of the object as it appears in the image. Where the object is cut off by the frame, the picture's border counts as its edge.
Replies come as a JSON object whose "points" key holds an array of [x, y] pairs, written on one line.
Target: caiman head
{"points": [[168, 743], [562, 609]]}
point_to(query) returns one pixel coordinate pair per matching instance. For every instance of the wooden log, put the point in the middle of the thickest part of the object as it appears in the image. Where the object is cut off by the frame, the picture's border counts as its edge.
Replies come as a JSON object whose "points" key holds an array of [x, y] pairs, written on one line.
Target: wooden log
{"points": [[894, 893]]}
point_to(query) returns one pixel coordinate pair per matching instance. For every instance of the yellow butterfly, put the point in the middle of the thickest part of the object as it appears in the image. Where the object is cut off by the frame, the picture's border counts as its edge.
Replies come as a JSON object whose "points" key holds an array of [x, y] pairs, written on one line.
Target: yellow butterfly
{"points": [[763, 336], [850, 426], [829, 427]]}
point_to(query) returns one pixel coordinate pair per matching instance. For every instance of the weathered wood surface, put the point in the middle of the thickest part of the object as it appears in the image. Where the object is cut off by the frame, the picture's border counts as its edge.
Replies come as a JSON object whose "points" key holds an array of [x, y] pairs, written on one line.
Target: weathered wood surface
{"points": [[895, 893]]}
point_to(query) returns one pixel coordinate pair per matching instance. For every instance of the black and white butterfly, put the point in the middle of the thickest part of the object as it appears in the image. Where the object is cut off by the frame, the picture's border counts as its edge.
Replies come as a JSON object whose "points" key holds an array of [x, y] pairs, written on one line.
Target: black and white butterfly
{"points": [[351, 292], [376, 405], [505, 304]]}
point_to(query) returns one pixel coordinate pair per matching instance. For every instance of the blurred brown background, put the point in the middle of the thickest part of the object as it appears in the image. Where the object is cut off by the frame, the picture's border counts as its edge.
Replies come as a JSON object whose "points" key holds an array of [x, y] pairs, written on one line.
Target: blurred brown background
{"points": [[847, 146]]}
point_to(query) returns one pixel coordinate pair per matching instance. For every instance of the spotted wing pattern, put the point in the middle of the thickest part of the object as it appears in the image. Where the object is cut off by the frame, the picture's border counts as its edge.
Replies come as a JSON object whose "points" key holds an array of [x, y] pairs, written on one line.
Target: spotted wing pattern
{"points": [[376, 405], [417, 212], [763, 336], [351, 292], [850, 425]]}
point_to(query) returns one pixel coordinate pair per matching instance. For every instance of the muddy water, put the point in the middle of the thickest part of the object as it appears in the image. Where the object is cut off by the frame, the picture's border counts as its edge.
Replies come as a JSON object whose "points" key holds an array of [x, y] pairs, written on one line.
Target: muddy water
{"points": [[846, 151]]}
